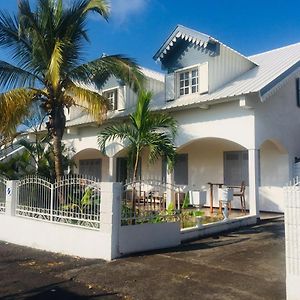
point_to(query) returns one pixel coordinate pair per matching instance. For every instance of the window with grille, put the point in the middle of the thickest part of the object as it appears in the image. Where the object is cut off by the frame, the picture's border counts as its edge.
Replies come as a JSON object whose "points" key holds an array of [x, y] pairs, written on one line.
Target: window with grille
{"points": [[188, 82], [112, 96]]}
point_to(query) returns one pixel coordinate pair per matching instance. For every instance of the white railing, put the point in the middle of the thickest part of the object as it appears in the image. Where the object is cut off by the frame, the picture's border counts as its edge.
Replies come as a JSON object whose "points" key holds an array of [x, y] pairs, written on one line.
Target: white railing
{"points": [[3, 181], [145, 201], [73, 200]]}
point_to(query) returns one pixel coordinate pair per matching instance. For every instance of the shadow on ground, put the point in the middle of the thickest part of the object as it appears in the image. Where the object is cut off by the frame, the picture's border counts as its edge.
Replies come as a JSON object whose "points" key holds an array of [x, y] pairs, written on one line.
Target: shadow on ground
{"points": [[55, 291]]}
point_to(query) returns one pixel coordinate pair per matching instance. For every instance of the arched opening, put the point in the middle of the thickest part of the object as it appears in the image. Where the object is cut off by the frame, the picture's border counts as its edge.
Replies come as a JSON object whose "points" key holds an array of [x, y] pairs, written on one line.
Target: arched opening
{"points": [[91, 162], [146, 170], [274, 174], [211, 160]]}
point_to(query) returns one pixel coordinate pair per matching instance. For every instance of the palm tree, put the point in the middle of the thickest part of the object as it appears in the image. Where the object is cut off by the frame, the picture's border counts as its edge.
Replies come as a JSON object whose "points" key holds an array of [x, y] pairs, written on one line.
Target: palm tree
{"points": [[145, 129], [46, 47]]}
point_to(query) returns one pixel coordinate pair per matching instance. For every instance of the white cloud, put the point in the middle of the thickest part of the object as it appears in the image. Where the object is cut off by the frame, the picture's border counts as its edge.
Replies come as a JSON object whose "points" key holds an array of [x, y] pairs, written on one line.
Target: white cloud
{"points": [[122, 10]]}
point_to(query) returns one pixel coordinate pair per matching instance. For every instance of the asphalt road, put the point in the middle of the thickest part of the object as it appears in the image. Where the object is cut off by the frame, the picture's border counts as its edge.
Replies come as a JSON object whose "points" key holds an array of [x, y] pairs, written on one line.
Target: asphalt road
{"points": [[245, 264]]}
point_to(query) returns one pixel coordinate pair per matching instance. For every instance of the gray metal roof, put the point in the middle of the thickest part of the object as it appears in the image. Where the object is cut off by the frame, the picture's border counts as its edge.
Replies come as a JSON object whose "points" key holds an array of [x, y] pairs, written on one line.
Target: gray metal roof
{"points": [[273, 67], [10, 150], [194, 36]]}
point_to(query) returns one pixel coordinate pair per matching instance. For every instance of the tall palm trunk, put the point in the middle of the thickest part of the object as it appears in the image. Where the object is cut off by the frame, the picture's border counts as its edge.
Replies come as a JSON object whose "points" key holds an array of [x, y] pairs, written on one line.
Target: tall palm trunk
{"points": [[57, 122], [59, 172], [134, 191]]}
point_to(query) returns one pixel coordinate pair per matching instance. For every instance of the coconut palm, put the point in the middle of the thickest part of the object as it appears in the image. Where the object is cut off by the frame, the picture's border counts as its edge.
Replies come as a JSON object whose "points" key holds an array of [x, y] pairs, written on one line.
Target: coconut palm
{"points": [[48, 68], [145, 129]]}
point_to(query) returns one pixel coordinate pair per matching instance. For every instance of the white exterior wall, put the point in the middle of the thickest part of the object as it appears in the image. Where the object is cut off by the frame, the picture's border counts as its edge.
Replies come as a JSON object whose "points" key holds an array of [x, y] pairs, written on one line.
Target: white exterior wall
{"points": [[93, 154], [277, 120], [226, 121]]}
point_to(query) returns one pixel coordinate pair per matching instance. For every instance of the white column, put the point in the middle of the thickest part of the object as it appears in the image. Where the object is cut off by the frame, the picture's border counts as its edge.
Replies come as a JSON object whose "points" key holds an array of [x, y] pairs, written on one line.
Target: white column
{"points": [[110, 217], [170, 187], [11, 197], [112, 169], [254, 171]]}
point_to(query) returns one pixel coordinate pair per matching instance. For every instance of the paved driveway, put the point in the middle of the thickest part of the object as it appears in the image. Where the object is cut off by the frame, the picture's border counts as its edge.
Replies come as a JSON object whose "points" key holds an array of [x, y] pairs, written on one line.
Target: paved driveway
{"points": [[245, 264]]}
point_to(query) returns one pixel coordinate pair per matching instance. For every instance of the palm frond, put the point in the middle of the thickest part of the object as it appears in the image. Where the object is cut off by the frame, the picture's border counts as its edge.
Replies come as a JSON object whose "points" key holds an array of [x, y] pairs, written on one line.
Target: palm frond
{"points": [[117, 131], [161, 121], [13, 77], [161, 145], [30, 25], [95, 104], [14, 107], [142, 112], [55, 64], [10, 38], [98, 71], [99, 6]]}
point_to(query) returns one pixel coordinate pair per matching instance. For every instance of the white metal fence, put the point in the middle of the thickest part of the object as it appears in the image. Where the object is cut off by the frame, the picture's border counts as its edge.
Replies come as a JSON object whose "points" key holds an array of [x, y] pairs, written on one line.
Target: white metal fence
{"points": [[145, 201], [292, 239], [71, 200], [3, 181]]}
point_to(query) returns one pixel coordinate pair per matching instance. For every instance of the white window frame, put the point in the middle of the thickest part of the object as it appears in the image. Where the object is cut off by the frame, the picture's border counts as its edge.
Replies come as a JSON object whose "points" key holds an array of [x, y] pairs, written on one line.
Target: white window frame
{"points": [[115, 90], [190, 70]]}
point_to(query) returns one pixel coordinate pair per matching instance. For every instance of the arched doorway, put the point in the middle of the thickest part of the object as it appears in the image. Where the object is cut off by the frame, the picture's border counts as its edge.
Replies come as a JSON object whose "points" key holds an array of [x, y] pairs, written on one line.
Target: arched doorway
{"points": [[91, 162], [274, 174]]}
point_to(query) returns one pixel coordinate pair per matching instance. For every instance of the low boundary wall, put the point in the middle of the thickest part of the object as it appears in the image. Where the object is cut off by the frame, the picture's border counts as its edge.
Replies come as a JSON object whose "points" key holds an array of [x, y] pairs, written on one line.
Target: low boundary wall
{"points": [[205, 230], [54, 237], [145, 237]]}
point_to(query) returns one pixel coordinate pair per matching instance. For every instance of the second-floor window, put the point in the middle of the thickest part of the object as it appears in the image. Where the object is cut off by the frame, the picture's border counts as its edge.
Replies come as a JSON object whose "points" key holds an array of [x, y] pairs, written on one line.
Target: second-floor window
{"points": [[112, 96], [188, 82]]}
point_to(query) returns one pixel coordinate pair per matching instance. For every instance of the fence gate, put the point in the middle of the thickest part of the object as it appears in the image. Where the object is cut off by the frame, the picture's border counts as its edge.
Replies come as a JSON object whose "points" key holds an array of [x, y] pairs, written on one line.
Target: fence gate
{"points": [[292, 239], [3, 181], [73, 200]]}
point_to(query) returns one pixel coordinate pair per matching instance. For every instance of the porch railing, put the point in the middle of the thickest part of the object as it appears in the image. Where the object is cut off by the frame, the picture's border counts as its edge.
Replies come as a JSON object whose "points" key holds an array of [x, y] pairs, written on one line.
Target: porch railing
{"points": [[73, 200], [3, 181], [148, 201]]}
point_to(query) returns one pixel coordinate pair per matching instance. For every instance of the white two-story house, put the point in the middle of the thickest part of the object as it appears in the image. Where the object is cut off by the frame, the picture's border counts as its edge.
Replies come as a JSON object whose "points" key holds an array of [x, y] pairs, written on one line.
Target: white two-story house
{"points": [[238, 117]]}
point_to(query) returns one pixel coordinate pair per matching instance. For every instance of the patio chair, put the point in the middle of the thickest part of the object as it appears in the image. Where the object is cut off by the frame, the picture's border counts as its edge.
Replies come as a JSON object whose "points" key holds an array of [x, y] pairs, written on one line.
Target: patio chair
{"points": [[241, 194]]}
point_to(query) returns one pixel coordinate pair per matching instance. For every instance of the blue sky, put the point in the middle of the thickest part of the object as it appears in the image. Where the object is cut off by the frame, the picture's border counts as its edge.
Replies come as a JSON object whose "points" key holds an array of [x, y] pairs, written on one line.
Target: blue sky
{"points": [[137, 28]]}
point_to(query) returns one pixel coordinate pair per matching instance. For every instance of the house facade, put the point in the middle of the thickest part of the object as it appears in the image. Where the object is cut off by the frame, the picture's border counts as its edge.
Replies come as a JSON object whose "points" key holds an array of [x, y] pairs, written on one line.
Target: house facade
{"points": [[238, 119]]}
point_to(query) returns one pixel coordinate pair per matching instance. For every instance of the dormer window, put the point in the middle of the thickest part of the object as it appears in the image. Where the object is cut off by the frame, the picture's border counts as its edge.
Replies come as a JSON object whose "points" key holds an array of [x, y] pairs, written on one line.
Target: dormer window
{"points": [[188, 82], [112, 96]]}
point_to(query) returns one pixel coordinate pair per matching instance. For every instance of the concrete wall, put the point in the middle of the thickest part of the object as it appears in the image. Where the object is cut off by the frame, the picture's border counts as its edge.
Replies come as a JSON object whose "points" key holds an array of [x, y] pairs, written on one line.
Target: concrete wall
{"points": [[62, 238], [145, 237], [55, 237], [217, 227]]}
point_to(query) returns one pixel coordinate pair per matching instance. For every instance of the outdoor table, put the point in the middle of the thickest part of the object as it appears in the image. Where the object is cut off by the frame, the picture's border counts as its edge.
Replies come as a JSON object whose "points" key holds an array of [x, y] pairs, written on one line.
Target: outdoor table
{"points": [[211, 186]]}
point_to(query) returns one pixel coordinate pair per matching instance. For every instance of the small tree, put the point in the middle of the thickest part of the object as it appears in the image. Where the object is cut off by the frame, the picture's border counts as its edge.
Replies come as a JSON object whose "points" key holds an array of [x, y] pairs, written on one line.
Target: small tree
{"points": [[145, 129]]}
